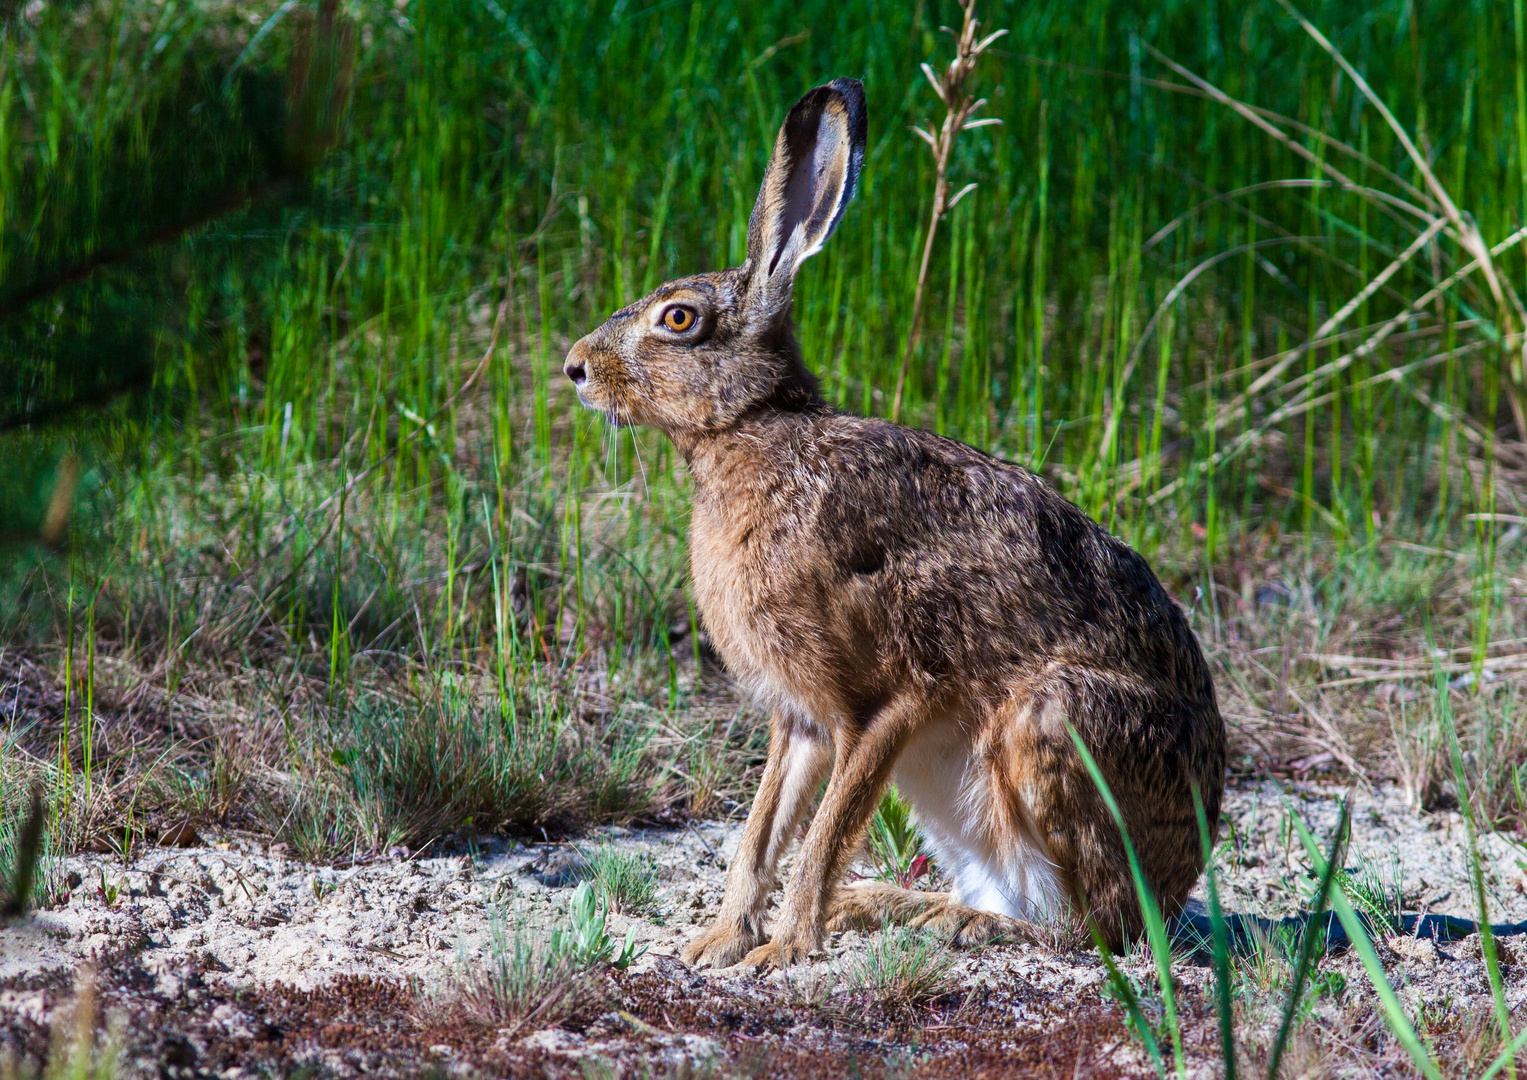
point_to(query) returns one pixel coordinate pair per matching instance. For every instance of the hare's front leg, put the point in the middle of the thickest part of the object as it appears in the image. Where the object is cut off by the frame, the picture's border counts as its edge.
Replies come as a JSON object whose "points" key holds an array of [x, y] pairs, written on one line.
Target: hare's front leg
{"points": [[798, 756], [862, 767]]}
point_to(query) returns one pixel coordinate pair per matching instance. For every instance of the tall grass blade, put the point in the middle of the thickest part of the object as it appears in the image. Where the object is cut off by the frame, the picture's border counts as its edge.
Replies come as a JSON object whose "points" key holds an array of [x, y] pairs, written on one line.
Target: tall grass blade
{"points": [[1394, 1013], [1464, 230], [1124, 991], [1487, 944], [1307, 943], [1507, 1057], [1220, 937], [1150, 910]]}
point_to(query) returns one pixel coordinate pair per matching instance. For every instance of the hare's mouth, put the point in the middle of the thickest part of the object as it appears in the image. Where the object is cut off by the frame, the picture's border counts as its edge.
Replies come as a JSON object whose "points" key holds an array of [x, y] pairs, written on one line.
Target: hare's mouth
{"points": [[595, 389], [613, 414]]}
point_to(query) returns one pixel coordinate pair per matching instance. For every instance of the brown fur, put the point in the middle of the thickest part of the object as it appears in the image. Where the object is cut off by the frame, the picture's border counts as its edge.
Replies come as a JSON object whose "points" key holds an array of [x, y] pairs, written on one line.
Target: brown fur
{"points": [[874, 904], [878, 586]]}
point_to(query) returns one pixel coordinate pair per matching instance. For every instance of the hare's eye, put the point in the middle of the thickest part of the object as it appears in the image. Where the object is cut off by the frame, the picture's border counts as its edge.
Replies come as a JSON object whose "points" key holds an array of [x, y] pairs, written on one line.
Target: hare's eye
{"points": [[679, 318]]}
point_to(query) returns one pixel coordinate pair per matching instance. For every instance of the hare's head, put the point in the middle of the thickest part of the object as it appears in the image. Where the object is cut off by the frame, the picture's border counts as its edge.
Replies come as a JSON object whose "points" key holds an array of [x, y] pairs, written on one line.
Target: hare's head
{"points": [[703, 351]]}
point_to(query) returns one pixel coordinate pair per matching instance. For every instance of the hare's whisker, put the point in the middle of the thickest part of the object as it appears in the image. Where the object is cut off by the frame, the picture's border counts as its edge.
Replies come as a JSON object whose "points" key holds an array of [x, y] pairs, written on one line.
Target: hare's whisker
{"points": [[636, 448]]}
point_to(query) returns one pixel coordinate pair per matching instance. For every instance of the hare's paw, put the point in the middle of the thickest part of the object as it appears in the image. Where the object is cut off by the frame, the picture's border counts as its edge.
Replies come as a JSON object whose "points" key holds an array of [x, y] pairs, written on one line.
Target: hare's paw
{"points": [[870, 905], [984, 928], [779, 953], [722, 945]]}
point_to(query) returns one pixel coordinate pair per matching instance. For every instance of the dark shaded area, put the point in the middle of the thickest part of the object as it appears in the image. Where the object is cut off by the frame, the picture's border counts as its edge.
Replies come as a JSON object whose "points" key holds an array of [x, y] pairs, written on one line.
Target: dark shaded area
{"points": [[1193, 931], [100, 288], [86, 288]]}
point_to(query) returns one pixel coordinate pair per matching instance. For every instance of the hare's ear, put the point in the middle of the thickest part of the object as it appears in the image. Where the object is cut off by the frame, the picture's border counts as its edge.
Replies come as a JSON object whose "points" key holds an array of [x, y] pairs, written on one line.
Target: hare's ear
{"points": [[811, 177]]}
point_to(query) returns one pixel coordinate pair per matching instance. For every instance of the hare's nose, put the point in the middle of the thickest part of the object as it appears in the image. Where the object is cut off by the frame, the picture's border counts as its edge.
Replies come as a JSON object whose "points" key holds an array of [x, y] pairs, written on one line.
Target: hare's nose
{"points": [[575, 371]]}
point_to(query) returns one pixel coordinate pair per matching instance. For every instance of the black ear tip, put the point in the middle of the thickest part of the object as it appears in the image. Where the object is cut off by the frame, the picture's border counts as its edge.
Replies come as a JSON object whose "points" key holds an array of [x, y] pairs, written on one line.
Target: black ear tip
{"points": [[853, 89], [847, 94], [851, 92]]}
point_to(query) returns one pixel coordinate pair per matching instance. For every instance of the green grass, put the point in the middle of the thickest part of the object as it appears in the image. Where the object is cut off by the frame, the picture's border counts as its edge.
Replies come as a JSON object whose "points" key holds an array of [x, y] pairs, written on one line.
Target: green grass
{"points": [[626, 878], [900, 966], [19, 778], [44, 884], [522, 981], [1366, 902], [1373, 887], [549, 190], [529, 979], [357, 455], [896, 843]]}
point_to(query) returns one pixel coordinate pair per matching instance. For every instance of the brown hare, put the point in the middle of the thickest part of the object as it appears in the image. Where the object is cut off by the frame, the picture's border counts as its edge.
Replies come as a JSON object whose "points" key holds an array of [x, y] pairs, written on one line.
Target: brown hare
{"points": [[908, 608]]}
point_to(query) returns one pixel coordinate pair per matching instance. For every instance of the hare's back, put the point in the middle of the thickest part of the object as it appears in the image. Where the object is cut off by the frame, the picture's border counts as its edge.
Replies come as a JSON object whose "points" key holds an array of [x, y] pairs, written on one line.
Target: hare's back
{"points": [[988, 559]]}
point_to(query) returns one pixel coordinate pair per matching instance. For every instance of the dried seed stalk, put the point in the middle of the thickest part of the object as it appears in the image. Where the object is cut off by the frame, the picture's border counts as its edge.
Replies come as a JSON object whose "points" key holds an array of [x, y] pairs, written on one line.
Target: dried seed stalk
{"points": [[961, 108]]}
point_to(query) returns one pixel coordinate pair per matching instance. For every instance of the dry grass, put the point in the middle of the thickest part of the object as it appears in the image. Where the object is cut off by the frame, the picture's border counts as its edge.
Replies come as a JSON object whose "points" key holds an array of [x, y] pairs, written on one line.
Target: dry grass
{"points": [[405, 757], [1344, 666]]}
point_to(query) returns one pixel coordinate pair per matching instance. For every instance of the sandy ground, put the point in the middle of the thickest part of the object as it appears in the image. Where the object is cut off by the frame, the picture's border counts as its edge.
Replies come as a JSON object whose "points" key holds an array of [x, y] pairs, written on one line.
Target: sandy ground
{"points": [[208, 934]]}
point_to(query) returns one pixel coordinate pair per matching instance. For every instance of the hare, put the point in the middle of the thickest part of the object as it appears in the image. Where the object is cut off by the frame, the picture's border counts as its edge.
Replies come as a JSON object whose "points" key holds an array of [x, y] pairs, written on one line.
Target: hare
{"points": [[907, 608]]}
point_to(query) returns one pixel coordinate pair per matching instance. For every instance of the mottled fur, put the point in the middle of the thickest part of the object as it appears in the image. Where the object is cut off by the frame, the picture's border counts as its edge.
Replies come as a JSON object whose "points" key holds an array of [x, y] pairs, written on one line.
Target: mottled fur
{"points": [[907, 607]]}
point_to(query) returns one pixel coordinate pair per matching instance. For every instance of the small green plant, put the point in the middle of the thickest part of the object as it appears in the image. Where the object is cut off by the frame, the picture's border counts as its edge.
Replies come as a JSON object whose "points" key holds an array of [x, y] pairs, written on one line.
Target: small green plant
{"points": [[896, 843], [318, 821], [901, 966], [1374, 889], [110, 892], [627, 879], [1329, 985], [585, 942], [1263, 962]]}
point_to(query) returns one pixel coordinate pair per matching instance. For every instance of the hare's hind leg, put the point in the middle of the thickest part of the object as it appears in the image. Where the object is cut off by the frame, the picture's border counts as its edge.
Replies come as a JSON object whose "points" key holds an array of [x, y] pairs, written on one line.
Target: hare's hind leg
{"points": [[873, 905], [869, 905], [1152, 744]]}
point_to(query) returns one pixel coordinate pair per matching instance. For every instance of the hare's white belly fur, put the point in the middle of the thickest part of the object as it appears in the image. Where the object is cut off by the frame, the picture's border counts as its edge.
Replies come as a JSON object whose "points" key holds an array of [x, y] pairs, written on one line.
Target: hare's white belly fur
{"points": [[994, 867]]}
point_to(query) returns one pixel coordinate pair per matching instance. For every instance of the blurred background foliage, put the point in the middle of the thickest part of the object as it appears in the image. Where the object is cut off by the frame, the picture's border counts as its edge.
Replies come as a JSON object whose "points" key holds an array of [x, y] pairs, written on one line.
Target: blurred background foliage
{"points": [[130, 134]]}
